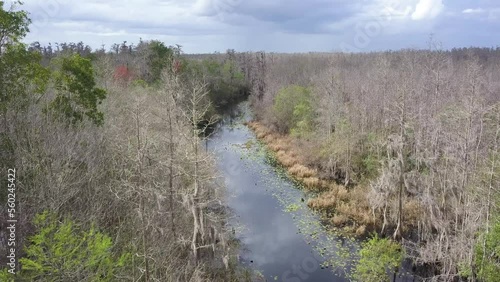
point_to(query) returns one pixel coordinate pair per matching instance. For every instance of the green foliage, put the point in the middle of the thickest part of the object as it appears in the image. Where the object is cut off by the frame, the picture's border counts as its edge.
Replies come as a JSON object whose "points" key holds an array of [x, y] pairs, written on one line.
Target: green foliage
{"points": [[366, 159], [13, 25], [77, 93], [378, 256], [464, 269], [230, 87], [487, 255], [62, 251], [367, 165], [226, 82], [160, 58], [303, 116], [293, 110], [22, 74], [5, 276]]}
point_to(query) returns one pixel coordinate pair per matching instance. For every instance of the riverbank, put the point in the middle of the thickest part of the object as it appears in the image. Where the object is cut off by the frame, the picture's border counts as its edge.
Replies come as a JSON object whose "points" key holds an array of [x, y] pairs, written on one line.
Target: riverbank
{"points": [[345, 209]]}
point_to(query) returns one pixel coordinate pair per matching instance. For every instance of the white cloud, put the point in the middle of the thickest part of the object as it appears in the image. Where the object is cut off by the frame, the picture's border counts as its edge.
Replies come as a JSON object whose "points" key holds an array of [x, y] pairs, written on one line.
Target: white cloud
{"points": [[272, 25], [473, 11], [427, 9], [490, 14]]}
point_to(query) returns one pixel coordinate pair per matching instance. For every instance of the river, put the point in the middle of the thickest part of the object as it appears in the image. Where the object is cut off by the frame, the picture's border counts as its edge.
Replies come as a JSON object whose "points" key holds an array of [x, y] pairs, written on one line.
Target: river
{"points": [[281, 238]]}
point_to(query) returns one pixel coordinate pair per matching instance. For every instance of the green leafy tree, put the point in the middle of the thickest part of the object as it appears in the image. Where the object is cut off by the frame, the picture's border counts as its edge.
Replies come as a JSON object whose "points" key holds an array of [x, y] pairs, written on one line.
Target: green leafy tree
{"points": [[21, 74], [160, 58], [77, 93], [62, 251], [20, 70], [13, 25], [293, 110], [378, 257]]}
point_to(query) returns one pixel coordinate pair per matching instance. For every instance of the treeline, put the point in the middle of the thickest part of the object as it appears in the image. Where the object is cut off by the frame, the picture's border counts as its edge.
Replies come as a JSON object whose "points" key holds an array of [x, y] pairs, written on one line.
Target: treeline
{"points": [[403, 143], [112, 183], [143, 64]]}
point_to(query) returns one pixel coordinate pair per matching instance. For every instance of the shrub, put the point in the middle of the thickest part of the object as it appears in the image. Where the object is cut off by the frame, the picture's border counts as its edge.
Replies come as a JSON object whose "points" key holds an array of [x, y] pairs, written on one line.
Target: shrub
{"points": [[378, 256], [62, 251]]}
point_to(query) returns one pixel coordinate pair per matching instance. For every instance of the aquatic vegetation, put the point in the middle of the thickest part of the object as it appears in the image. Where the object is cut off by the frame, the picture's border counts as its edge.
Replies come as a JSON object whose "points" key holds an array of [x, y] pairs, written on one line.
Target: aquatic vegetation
{"points": [[292, 208]]}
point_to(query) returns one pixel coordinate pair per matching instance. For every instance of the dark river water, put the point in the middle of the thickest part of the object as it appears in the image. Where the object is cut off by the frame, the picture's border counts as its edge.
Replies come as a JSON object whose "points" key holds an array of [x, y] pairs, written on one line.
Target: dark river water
{"points": [[281, 238]]}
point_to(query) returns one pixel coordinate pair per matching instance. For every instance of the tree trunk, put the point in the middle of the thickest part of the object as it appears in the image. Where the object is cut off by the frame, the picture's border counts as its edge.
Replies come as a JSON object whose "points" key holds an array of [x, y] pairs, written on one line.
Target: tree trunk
{"points": [[171, 172]]}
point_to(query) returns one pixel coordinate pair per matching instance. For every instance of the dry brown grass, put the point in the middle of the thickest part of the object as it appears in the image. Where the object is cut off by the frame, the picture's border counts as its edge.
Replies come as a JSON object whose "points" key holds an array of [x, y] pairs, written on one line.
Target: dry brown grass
{"points": [[339, 220], [324, 185], [260, 130], [261, 135], [342, 193], [361, 230], [301, 171], [326, 201], [285, 159], [348, 206], [311, 182], [286, 153], [277, 144], [269, 139], [358, 195]]}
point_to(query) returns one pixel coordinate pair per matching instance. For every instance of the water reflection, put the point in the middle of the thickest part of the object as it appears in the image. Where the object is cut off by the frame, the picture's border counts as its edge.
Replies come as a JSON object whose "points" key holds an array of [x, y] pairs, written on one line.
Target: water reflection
{"points": [[270, 236]]}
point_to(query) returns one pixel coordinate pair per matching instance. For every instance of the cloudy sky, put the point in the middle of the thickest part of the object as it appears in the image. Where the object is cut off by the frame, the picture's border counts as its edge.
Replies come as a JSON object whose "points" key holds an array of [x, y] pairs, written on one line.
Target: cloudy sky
{"points": [[205, 26]]}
